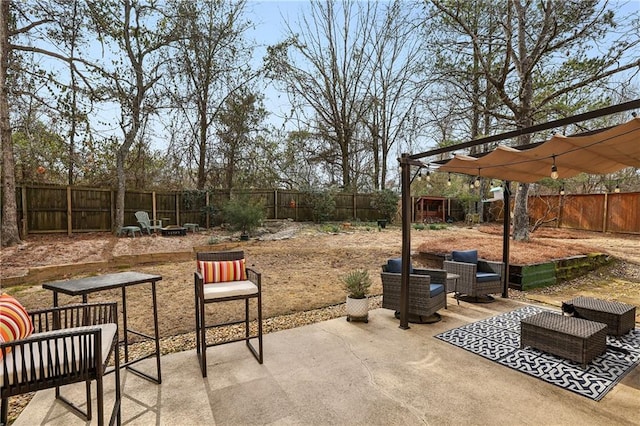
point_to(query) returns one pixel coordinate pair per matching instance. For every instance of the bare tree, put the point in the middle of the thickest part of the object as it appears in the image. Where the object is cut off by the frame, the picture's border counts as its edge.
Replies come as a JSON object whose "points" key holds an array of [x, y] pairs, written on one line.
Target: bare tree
{"points": [[399, 80], [538, 56], [212, 65], [324, 67], [10, 234], [140, 31], [18, 22]]}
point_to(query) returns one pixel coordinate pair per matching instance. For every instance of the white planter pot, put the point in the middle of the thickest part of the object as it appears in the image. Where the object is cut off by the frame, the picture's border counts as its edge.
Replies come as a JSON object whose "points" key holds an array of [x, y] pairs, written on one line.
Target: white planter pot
{"points": [[358, 309]]}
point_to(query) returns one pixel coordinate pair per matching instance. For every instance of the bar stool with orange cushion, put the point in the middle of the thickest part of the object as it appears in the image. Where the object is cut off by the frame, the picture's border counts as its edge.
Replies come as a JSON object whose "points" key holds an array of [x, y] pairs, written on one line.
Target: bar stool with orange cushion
{"points": [[222, 277]]}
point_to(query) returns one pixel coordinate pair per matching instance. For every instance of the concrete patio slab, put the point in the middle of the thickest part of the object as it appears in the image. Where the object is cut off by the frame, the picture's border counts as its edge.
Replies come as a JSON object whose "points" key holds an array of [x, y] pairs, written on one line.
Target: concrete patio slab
{"points": [[336, 372]]}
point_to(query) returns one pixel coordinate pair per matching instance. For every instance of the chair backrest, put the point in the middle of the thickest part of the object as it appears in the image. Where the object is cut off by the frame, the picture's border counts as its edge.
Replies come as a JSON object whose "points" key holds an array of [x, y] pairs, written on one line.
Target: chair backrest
{"points": [[465, 256], [220, 255], [143, 218]]}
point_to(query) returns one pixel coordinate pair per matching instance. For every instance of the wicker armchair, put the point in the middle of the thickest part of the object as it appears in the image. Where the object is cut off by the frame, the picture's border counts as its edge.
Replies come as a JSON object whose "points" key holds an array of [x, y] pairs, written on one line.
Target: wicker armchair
{"points": [[477, 277], [70, 344], [427, 293]]}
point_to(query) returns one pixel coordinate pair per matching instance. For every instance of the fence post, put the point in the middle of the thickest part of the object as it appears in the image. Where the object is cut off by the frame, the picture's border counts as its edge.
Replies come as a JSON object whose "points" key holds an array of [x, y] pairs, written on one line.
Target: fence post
{"points": [[177, 209], [113, 210], [275, 204], [605, 210], [25, 211], [69, 212], [353, 203], [206, 197], [560, 209], [153, 205]]}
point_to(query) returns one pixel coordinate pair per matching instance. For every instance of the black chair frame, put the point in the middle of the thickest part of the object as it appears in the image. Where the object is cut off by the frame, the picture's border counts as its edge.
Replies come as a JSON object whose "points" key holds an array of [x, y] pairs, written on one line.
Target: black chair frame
{"points": [[80, 359], [200, 302]]}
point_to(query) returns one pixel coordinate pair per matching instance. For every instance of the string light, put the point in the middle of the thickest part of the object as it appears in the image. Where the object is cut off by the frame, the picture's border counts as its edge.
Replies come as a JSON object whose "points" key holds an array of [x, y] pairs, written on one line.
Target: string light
{"points": [[554, 168], [562, 190], [617, 189], [428, 175], [449, 180]]}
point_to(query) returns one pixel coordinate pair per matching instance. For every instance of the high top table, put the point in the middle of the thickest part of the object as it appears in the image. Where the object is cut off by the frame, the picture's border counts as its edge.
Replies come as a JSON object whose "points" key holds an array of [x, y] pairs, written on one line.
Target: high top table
{"points": [[84, 286]]}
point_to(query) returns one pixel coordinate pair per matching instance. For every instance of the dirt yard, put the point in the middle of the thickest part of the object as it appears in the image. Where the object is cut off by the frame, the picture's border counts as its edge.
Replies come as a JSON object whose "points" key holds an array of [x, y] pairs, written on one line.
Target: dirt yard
{"points": [[302, 264]]}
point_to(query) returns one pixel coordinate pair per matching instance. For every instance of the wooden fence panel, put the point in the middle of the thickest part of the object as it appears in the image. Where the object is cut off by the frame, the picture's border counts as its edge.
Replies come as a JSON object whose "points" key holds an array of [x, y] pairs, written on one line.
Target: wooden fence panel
{"points": [[91, 209], [344, 207], [545, 208], [364, 211], [135, 201], [288, 204], [46, 209], [583, 211], [193, 207], [623, 213], [166, 208]]}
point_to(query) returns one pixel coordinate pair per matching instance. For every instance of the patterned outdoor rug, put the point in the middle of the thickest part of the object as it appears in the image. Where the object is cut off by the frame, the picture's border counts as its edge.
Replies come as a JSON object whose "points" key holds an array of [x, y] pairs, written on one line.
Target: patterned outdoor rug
{"points": [[498, 339]]}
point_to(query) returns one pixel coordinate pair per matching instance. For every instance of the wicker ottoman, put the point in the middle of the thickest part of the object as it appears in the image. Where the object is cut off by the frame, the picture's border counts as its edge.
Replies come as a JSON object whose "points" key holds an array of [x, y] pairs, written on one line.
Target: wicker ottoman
{"points": [[619, 317], [577, 339]]}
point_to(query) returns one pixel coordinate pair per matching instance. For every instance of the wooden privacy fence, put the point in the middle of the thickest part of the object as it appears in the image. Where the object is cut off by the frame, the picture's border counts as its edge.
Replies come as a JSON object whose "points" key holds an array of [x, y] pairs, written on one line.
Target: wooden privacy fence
{"points": [[615, 212], [51, 209]]}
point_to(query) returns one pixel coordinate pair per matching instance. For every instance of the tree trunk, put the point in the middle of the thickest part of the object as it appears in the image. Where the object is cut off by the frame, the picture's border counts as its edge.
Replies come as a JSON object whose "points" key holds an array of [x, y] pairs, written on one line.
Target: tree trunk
{"points": [[119, 219], [521, 215], [10, 234]]}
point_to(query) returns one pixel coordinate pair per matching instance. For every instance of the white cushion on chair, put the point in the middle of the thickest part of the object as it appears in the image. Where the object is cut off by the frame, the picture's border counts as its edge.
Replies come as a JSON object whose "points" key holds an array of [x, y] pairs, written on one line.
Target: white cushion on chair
{"points": [[108, 332], [229, 289]]}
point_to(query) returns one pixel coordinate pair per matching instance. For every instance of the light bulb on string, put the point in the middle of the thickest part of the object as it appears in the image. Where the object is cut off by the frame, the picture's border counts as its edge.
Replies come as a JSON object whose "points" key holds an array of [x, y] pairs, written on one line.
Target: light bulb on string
{"points": [[554, 169]]}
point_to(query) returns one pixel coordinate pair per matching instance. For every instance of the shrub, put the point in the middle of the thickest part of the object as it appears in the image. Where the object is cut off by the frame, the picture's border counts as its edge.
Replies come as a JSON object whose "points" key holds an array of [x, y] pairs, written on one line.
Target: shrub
{"points": [[322, 204], [386, 202], [244, 214]]}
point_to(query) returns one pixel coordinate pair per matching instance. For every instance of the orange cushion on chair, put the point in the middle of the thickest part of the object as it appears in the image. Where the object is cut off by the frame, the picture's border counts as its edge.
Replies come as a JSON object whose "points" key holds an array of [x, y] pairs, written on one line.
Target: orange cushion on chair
{"points": [[15, 322], [222, 271]]}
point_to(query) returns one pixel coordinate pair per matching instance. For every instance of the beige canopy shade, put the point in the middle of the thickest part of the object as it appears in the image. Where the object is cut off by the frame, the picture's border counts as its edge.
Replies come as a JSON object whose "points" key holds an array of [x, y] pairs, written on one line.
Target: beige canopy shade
{"points": [[599, 153]]}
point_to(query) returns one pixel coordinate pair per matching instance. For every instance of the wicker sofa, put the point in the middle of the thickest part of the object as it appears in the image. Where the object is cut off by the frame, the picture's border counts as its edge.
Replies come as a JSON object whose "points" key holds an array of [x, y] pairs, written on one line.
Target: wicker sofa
{"points": [[477, 277], [427, 291]]}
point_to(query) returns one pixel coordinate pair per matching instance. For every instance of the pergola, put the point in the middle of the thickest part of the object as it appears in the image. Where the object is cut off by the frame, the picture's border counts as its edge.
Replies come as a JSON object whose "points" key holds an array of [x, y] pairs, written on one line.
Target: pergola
{"points": [[597, 152]]}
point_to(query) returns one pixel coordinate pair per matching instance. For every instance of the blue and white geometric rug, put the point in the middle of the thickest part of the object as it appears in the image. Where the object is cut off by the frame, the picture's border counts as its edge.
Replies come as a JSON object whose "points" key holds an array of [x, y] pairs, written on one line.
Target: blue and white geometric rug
{"points": [[498, 339]]}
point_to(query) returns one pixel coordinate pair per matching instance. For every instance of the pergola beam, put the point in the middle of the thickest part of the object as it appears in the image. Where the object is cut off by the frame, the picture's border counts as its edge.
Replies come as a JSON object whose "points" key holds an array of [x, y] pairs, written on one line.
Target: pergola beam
{"points": [[533, 129]]}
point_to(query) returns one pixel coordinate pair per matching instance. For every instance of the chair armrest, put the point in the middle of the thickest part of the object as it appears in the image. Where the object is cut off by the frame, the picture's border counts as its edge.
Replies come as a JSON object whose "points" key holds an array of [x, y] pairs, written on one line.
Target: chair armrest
{"points": [[465, 271], [491, 266], [254, 276], [459, 268], [438, 276], [77, 315]]}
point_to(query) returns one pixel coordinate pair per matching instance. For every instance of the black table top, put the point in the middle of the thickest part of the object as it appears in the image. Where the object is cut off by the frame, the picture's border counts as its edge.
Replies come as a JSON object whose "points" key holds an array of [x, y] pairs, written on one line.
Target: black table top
{"points": [[100, 282]]}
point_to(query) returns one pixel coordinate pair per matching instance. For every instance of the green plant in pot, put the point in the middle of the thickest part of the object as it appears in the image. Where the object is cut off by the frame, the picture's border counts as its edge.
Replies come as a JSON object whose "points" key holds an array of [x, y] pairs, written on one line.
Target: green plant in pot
{"points": [[357, 284], [244, 214]]}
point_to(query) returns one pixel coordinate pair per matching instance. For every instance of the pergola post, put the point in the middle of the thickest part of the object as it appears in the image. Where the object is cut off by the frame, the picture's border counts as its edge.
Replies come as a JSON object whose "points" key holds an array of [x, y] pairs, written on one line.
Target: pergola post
{"points": [[405, 168], [506, 234]]}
